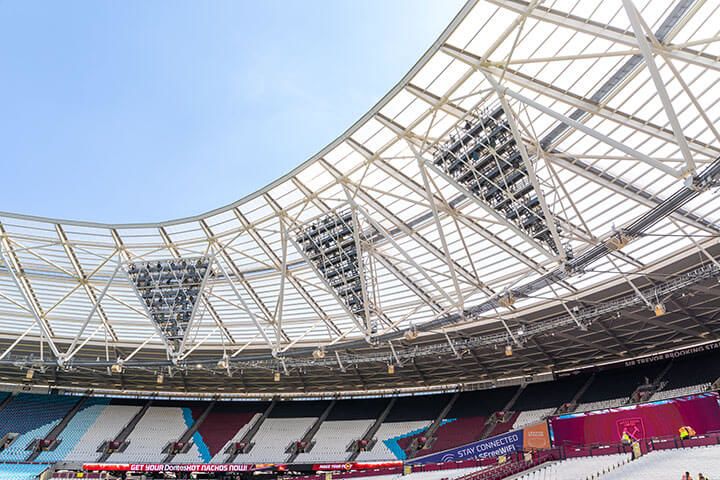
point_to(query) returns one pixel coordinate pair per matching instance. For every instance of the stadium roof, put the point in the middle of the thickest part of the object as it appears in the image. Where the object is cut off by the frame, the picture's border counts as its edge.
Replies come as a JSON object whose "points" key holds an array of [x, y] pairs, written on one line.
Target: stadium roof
{"points": [[596, 122]]}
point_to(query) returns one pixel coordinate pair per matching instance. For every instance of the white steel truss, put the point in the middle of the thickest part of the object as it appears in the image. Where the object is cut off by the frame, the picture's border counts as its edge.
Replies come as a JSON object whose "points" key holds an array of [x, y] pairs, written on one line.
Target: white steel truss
{"points": [[612, 104]]}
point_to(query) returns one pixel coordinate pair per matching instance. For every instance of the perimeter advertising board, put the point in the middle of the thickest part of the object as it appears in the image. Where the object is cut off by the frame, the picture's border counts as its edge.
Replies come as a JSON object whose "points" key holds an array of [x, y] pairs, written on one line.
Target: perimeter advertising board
{"points": [[232, 467], [171, 467], [533, 437]]}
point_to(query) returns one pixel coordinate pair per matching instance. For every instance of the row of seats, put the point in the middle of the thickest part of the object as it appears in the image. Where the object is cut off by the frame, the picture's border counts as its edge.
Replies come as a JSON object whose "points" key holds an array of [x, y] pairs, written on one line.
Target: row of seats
{"points": [[34, 416], [100, 421], [107, 425], [580, 468], [31, 416], [601, 404], [21, 471], [333, 439], [671, 464], [75, 430], [274, 437], [158, 427], [386, 447], [680, 392], [529, 417]]}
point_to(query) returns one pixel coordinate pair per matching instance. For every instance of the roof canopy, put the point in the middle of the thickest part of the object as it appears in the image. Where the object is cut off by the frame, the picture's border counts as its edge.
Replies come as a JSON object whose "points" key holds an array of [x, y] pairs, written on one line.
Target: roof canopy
{"points": [[529, 134]]}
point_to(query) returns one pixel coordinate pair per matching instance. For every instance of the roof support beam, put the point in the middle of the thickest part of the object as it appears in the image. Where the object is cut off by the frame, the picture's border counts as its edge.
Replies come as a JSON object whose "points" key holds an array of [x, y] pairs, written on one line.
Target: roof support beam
{"points": [[438, 224], [390, 266], [604, 31], [260, 241], [620, 186], [222, 251], [589, 106], [23, 285], [84, 281], [595, 134], [636, 22], [95, 308], [246, 307], [389, 215], [482, 67], [530, 167]]}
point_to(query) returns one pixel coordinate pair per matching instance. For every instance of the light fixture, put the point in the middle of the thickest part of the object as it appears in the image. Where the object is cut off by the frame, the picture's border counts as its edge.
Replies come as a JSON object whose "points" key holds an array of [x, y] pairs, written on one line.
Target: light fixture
{"points": [[507, 300], [319, 353], [117, 367], [411, 334], [29, 374], [223, 363], [618, 241], [391, 369], [660, 309], [160, 378], [508, 350], [276, 376]]}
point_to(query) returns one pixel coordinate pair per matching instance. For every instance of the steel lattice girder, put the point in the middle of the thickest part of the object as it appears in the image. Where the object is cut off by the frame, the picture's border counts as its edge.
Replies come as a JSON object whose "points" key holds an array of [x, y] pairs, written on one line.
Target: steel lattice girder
{"points": [[613, 107]]}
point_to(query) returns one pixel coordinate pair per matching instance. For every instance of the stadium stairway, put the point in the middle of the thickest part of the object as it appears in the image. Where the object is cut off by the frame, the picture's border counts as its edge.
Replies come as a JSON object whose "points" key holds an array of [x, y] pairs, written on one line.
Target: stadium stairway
{"points": [[415, 446], [100, 419], [31, 416], [643, 393], [5, 398], [573, 403], [308, 437], [221, 431], [454, 432], [370, 434], [127, 430], [250, 434], [332, 441], [185, 438], [500, 422], [163, 423], [55, 432], [64, 440]]}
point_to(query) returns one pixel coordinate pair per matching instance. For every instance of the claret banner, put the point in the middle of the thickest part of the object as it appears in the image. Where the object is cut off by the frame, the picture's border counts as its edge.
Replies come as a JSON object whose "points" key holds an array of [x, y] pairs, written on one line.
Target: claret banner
{"points": [[655, 419]]}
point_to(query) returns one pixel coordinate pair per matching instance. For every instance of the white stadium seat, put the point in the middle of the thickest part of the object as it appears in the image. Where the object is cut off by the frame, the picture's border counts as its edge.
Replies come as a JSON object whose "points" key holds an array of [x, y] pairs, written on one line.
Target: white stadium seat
{"points": [[332, 440], [273, 438], [671, 464], [389, 430], [158, 427]]}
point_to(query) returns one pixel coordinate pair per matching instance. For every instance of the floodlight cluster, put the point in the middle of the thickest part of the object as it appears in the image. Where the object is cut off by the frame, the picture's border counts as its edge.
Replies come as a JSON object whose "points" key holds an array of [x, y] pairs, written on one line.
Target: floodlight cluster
{"points": [[330, 243], [482, 155], [169, 290]]}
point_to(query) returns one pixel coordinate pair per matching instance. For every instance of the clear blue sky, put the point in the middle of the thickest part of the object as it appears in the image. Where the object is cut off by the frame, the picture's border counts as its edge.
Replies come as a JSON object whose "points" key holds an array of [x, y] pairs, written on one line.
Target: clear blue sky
{"points": [[125, 111]]}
